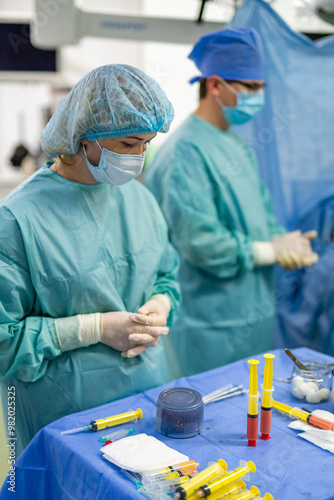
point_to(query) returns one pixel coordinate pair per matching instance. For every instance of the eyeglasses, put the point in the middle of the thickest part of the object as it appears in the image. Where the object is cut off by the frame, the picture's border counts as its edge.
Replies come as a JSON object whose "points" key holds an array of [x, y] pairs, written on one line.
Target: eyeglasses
{"points": [[252, 87]]}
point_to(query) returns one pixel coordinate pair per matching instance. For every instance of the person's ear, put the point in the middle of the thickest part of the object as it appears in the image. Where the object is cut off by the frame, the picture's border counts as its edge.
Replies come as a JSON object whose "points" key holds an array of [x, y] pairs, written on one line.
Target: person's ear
{"points": [[214, 85]]}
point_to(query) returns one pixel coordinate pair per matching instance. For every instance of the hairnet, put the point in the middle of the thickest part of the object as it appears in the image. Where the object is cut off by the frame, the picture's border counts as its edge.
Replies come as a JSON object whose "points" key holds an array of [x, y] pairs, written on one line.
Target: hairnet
{"points": [[111, 101], [232, 53]]}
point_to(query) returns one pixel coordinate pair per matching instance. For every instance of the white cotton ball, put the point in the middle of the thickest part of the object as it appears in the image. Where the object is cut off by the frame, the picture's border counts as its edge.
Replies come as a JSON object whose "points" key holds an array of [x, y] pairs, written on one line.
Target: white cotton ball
{"points": [[303, 387], [314, 397], [297, 393], [298, 387], [297, 379], [324, 393], [310, 388]]}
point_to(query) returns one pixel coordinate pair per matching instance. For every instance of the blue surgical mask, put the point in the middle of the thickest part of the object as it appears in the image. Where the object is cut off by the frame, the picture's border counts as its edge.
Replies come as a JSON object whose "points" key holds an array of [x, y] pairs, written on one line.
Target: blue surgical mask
{"points": [[247, 107], [114, 168]]}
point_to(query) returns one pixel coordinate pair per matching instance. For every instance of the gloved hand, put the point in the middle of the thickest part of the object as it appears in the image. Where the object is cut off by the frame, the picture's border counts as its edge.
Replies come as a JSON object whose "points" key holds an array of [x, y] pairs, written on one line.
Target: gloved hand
{"points": [[133, 333], [293, 250], [157, 306]]}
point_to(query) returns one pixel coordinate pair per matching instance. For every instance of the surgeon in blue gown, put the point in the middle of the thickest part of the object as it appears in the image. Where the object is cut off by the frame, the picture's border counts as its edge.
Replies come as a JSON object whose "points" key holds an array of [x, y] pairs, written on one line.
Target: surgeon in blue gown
{"points": [[206, 180], [87, 274]]}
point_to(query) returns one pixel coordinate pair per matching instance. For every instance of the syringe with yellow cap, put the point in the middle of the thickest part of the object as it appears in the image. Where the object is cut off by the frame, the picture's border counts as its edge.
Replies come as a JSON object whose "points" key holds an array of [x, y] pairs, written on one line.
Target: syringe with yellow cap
{"points": [[253, 404], [213, 471], [104, 423], [231, 477], [267, 399], [214, 490]]}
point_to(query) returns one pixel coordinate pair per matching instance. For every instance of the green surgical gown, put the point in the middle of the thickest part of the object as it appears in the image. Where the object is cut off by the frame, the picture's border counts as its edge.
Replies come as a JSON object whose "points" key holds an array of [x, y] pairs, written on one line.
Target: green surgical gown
{"points": [[207, 183], [65, 249]]}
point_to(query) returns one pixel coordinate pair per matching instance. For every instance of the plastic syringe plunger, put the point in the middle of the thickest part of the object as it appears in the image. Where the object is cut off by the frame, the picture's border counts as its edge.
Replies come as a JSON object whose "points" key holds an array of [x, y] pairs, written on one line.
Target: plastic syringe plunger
{"points": [[213, 471], [268, 375], [253, 404], [267, 390]]}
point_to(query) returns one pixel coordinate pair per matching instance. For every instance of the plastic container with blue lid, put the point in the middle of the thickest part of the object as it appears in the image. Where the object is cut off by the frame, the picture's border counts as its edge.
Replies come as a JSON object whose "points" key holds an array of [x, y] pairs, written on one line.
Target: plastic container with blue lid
{"points": [[180, 412]]}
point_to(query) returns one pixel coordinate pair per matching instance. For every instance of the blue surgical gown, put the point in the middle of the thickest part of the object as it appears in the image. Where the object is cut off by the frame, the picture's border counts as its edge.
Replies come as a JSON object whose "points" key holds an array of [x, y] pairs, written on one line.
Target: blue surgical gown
{"points": [[207, 183], [65, 249]]}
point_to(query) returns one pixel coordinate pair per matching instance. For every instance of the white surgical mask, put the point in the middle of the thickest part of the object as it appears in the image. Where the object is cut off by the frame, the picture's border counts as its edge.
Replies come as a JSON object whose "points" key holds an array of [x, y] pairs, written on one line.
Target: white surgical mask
{"points": [[114, 168]]}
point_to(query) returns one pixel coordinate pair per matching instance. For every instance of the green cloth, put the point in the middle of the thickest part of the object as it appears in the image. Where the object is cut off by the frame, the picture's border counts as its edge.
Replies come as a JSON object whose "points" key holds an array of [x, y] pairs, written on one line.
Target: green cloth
{"points": [[65, 249], [207, 183]]}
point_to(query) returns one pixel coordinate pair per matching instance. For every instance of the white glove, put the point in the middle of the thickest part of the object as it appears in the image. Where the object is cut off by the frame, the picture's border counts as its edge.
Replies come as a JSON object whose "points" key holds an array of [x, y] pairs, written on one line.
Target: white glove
{"points": [[130, 333], [293, 250]]}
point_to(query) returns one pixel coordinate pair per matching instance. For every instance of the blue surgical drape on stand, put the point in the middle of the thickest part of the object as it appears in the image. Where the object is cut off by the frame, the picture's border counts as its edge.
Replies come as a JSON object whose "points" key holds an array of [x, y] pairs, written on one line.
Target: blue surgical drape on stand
{"points": [[292, 138]]}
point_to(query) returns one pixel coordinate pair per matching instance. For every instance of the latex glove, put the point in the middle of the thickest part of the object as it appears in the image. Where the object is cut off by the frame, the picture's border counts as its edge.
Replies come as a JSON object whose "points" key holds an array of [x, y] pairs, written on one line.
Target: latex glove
{"points": [[153, 313], [291, 260], [293, 250], [121, 332], [157, 306]]}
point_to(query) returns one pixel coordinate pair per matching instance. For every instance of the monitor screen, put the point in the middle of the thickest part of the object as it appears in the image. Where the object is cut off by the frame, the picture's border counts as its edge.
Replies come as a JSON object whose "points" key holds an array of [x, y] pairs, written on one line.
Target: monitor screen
{"points": [[18, 54]]}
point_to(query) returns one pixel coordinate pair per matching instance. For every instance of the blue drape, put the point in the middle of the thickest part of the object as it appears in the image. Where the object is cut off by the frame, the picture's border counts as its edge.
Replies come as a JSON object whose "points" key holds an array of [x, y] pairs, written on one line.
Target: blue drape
{"points": [[293, 140], [293, 135]]}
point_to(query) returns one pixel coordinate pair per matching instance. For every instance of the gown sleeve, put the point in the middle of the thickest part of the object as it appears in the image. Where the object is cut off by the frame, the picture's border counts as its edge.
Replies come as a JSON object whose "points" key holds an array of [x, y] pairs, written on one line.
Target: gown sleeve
{"points": [[275, 229], [27, 342]]}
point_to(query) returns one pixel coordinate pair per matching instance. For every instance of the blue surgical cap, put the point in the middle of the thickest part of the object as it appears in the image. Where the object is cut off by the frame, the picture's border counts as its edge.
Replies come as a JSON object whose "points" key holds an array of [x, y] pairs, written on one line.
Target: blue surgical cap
{"points": [[111, 101], [232, 54]]}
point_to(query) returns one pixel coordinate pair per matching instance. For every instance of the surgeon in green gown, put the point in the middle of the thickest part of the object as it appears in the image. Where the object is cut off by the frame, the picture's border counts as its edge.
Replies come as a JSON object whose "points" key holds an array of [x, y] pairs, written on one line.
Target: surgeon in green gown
{"points": [[87, 274], [206, 180]]}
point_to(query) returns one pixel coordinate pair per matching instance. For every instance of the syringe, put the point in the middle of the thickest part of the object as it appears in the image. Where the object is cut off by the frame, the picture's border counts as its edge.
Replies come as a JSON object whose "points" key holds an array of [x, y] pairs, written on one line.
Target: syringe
{"points": [[215, 490], [103, 423], [266, 403], [253, 404], [114, 436], [231, 477], [208, 474], [310, 418]]}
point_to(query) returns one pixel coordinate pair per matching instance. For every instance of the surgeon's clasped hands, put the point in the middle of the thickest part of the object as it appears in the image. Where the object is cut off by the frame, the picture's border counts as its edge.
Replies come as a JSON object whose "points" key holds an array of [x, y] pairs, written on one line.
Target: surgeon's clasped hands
{"points": [[133, 333], [293, 250]]}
